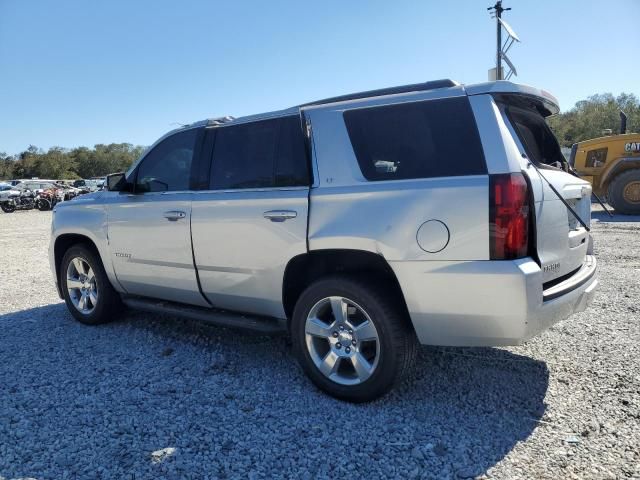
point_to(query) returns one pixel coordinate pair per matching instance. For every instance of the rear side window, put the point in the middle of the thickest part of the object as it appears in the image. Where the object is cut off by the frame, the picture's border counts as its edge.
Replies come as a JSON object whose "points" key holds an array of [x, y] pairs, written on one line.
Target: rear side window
{"points": [[436, 138], [263, 154]]}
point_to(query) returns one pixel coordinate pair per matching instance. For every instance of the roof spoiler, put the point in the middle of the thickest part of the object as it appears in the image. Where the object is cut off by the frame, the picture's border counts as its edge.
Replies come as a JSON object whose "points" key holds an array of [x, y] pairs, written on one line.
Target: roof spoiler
{"points": [[549, 102]]}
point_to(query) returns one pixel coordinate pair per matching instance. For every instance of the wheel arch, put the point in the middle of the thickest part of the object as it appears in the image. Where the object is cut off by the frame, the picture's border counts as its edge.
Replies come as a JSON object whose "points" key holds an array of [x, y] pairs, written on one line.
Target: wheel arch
{"points": [[306, 268], [619, 166], [63, 243]]}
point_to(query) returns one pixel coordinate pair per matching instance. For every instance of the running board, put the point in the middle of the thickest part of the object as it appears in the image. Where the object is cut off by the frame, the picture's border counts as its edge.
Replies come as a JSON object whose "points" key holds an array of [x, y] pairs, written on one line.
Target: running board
{"points": [[221, 318]]}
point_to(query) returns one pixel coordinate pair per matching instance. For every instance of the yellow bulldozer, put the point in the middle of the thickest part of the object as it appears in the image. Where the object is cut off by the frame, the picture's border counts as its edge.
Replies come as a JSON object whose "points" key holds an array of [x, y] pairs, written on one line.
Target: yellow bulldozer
{"points": [[612, 165]]}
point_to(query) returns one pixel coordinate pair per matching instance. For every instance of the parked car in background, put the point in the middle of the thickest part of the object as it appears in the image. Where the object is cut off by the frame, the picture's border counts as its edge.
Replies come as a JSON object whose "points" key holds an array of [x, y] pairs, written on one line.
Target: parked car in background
{"points": [[100, 181], [91, 185], [6, 190], [362, 225], [38, 186], [47, 192], [69, 192], [35, 184]]}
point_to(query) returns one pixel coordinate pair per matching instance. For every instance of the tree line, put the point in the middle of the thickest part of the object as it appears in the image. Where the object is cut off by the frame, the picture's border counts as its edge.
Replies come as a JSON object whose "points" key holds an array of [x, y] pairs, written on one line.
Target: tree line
{"points": [[62, 163], [587, 119], [590, 117]]}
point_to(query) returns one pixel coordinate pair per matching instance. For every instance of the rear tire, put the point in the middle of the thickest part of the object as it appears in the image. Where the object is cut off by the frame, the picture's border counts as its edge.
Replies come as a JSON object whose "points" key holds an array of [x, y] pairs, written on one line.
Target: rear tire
{"points": [[338, 354], [87, 291], [624, 192]]}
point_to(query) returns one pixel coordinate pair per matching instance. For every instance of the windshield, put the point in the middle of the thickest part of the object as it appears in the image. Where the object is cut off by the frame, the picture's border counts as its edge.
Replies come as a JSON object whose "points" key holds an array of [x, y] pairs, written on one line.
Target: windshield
{"points": [[536, 137]]}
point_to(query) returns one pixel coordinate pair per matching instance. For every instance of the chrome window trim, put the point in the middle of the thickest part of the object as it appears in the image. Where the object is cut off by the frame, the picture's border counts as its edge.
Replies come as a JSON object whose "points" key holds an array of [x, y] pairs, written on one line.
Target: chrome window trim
{"points": [[242, 190], [140, 194], [420, 179]]}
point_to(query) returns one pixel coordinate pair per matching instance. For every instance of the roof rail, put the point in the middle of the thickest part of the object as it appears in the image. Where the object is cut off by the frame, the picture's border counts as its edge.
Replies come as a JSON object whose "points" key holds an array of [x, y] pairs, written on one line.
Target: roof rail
{"points": [[210, 122], [219, 121], [416, 87]]}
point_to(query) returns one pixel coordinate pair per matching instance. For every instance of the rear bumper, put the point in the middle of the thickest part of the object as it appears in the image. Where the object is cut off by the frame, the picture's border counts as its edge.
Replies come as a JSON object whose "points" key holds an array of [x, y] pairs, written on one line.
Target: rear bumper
{"points": [[489, 303]]}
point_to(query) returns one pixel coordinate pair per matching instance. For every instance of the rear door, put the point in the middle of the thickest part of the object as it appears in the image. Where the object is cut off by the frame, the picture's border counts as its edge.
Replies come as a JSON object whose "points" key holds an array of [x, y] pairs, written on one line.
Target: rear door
{"points": [[561, 240], [252, 218]]}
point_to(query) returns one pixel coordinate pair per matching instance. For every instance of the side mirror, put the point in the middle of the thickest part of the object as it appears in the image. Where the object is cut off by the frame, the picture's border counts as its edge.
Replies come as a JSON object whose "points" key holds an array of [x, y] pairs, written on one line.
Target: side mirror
{"points": [[117, 182]]}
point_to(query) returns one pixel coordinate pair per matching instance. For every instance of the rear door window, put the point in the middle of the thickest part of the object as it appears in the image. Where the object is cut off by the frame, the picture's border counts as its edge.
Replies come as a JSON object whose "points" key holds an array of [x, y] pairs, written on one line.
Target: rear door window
{"points": [[262, 154], [436, 138]]}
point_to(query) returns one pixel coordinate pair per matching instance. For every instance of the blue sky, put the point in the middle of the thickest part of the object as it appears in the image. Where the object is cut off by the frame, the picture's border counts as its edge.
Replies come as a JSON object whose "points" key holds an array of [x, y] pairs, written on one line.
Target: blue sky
{"points": [[76, 72]]}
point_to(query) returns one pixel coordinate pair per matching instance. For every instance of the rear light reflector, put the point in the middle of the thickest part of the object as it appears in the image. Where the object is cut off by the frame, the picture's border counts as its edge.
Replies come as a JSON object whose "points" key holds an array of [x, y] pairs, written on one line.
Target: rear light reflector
{"points": [[509, 209]]}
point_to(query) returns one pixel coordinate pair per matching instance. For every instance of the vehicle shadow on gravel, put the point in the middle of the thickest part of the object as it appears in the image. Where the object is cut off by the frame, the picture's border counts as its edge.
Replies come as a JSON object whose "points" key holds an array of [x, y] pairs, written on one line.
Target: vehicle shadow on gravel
{"points": [[603, 217], [157, 396]]}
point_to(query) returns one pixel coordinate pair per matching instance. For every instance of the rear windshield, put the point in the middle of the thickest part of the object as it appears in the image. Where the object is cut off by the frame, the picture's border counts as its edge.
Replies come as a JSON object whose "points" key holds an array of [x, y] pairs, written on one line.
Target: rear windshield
{"points": [[536, 137], [435, 138]]}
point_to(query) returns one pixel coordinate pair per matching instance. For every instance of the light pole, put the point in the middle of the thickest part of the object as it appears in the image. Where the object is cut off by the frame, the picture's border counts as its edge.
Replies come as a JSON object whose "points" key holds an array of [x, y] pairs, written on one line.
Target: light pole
{"points": [[501, 50]]}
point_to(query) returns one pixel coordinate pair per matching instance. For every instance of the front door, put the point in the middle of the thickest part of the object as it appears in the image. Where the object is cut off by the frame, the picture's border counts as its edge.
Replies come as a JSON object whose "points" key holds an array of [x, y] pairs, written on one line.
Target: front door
{"points": [[149, 230]]}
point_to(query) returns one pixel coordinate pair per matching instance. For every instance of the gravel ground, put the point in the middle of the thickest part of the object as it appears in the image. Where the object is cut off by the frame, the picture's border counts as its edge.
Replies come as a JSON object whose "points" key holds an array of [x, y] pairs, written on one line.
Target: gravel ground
{"points": [[158, 397]]}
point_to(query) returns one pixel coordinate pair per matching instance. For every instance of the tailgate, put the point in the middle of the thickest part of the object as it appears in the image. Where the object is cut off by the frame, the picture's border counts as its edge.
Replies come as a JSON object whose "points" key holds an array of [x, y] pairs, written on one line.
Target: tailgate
{"points": [[561, 240]]}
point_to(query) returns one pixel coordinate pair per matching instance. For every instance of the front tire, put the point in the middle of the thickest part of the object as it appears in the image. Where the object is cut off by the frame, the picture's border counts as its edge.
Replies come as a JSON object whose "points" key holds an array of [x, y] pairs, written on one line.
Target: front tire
{"points": [[352, 338], [88, 293], [624, 192]]}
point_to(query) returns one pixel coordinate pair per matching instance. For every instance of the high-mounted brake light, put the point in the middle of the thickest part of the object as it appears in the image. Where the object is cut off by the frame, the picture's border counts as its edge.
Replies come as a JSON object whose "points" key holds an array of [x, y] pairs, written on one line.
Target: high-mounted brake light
{"points": [[509, 211]]}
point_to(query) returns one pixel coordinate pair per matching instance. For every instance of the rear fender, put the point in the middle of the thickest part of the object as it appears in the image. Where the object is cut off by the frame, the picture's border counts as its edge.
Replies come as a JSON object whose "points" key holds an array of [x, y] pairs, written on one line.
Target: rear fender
{"points": [[616, 167]]}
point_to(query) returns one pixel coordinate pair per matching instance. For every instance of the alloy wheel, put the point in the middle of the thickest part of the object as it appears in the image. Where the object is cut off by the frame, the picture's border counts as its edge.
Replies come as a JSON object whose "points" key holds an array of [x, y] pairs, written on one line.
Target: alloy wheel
{"points": [[342, 340], [82, 285]]}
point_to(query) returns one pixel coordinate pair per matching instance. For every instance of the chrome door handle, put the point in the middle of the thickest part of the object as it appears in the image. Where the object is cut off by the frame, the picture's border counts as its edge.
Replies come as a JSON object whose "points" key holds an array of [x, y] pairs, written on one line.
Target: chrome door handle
{"points": [[174, 215], [280, 215]]}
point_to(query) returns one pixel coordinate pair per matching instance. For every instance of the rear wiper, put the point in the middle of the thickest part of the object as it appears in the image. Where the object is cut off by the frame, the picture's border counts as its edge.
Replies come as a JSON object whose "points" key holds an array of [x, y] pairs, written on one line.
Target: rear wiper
{"points": [[553, 189]]}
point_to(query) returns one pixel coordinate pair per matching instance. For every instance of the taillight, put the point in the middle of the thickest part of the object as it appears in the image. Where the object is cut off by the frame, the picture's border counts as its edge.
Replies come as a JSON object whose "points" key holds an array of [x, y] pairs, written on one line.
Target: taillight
{"points": [[508, 216]]}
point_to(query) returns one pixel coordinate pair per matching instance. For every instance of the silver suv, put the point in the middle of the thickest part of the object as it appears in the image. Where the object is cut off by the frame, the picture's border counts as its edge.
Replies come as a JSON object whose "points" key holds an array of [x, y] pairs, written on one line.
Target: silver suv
{"points": [[362, 225]]}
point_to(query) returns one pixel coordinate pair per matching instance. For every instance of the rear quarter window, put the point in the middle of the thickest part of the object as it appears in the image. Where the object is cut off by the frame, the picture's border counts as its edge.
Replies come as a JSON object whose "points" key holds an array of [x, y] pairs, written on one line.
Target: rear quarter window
{"points": [[435, 138]]}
